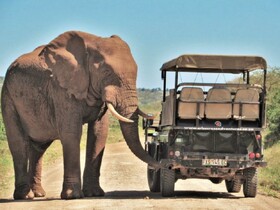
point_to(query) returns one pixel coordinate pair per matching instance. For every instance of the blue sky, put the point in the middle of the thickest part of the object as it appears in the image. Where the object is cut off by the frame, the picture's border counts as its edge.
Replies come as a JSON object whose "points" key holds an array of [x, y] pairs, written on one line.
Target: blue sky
{"points": [[156, 30]]}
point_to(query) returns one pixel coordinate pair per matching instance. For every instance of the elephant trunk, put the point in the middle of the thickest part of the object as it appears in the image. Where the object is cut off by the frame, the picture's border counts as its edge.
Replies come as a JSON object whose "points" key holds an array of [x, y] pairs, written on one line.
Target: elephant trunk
{"points": [[131, 136], [125, 103]]}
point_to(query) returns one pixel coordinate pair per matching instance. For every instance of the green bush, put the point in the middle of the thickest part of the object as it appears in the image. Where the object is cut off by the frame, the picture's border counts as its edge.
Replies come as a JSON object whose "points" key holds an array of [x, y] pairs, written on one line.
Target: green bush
{"points": [[273, 117], [269, 179], [273, 101]]}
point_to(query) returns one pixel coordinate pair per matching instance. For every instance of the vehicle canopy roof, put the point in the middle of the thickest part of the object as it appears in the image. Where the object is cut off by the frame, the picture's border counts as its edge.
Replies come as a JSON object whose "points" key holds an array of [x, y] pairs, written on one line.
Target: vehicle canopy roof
{"points": [[215, 63]]}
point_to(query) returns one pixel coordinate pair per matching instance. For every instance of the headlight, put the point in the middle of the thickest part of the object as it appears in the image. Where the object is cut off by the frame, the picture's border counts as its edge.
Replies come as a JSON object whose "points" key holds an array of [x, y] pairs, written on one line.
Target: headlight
{"points": [[155, 134], [179, 140]]}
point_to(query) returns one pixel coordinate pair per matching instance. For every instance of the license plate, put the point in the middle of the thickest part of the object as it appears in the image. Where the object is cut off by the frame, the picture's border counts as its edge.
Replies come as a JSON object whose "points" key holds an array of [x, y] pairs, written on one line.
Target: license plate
{"points": [[214, 162]]}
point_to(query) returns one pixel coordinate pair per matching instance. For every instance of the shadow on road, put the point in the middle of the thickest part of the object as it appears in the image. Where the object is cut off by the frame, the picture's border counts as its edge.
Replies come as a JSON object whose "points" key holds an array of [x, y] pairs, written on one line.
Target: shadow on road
{"points": [[25, 201], [144, 195], [178, 194]]}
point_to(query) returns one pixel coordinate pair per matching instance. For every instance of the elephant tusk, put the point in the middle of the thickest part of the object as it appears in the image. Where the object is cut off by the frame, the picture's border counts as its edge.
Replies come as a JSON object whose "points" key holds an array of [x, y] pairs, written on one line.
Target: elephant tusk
{"points": [[117, 115], [144, 115]]}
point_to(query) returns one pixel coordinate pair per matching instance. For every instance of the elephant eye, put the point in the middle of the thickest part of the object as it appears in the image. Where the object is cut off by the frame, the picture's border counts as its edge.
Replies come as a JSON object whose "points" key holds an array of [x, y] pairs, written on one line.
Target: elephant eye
{"points": [[97, 57]]}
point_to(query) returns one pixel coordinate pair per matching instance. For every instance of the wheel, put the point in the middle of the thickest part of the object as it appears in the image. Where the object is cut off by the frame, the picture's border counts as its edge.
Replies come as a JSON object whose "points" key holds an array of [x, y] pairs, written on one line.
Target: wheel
{"points": [[216, 180], [167, 182], [251, 182], [153, 179], [153, 175], [233, 186]]}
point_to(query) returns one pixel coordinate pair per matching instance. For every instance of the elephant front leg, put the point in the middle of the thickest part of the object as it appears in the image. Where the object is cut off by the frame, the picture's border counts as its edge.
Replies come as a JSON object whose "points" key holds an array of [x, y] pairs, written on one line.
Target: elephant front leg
{"points": [[96, 139], [72, 172], [35, 167]]}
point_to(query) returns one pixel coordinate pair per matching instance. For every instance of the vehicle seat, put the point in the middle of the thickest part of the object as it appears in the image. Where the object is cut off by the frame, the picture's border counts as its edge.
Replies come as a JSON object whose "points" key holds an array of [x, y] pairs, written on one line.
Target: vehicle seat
{"points": [[167, 109], [188, 106], [249, 112], [223, 108]]}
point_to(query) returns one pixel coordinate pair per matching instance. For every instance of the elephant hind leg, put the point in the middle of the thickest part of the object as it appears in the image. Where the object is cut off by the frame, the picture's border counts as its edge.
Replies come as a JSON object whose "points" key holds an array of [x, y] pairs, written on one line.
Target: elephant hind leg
{"points": [[23, 193], [19, 146], [37, 151]]}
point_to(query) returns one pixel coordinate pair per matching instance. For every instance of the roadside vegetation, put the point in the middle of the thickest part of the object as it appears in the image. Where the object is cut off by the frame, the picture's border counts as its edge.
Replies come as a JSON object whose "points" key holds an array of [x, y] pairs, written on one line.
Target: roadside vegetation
{"points": [[149, 101], [269, 180]]}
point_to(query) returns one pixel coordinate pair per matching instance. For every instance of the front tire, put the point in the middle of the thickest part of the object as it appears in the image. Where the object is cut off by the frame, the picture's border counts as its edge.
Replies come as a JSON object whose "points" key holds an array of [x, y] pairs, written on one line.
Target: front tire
{"points": [[152, 174], [234, 185], [167, 182], [153, 179], [251, 182]]}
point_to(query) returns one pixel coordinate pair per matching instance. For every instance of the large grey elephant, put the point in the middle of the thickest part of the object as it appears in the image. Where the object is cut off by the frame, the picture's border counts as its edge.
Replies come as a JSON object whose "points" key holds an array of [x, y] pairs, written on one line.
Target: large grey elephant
{"points": [[51, 92]]}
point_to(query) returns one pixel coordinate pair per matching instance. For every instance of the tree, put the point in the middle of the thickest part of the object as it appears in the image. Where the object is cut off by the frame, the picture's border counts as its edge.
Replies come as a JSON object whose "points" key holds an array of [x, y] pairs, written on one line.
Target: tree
{"points": [[273, 116], [273, 106], [273, 101]]}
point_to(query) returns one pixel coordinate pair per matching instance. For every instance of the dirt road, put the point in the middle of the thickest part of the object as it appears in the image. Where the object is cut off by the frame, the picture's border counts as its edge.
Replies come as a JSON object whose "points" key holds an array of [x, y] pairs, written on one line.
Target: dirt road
{"points": [[125, 183]]}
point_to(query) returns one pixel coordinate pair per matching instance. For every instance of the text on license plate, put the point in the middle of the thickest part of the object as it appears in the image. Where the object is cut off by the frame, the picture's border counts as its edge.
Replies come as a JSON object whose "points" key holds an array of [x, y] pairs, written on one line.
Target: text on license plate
{"points": [[214, 162]]}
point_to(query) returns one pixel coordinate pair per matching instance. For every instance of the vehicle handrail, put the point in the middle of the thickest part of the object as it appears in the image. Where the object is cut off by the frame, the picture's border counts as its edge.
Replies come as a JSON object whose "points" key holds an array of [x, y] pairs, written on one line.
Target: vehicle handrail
{"points": [[219, 84], [222, 102]]}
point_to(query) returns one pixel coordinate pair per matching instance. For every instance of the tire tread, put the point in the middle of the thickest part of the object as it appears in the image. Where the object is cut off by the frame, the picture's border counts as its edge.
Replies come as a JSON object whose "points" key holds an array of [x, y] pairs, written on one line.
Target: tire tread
{"points": [[167, 182], [250, 183]]}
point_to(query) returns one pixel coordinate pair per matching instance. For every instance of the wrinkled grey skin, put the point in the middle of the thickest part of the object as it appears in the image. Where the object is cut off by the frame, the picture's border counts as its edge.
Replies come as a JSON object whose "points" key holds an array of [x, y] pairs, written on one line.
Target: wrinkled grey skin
{"points": [[51, 92]]}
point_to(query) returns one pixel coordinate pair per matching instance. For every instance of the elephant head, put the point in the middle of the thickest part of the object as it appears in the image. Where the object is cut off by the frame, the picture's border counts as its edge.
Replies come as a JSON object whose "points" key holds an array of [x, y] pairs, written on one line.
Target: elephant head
{"points": [[99, 70]]}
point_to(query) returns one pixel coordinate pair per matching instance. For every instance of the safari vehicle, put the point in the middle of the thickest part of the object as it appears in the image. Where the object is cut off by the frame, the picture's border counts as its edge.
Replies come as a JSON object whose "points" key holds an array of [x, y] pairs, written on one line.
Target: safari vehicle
{"points": [[209, 130]]}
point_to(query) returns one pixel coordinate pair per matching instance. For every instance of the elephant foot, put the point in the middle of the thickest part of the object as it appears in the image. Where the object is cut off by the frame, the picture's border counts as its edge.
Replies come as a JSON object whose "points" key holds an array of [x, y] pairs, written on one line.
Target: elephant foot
{"points": [[23, 193], [71, 191], [38, 190], [96, 191]]}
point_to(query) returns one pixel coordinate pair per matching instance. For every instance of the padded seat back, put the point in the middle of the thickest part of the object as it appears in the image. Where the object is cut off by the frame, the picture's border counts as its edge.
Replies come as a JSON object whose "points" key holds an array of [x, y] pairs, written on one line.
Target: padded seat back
{"points": [[188, 107], [223, 108], [167, 109], [249, 112]]}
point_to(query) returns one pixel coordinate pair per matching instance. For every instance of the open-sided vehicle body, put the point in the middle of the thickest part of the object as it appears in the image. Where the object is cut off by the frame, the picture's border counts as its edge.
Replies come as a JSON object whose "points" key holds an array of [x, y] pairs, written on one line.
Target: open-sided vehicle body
{"points": [[209, 130]]}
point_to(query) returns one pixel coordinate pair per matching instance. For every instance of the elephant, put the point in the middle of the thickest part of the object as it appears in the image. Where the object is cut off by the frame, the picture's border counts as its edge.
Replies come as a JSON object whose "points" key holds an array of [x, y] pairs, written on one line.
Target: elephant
{"points": [[52, 91]]}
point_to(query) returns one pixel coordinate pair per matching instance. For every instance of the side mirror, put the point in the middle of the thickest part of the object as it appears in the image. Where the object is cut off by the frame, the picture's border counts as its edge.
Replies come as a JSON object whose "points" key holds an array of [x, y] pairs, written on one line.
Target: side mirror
{"points": [[147, 122]]}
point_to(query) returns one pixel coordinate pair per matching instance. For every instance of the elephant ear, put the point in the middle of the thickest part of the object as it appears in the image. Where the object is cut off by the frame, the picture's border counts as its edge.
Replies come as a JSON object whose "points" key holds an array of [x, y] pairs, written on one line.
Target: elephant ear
{"points": [[66, 57]]}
